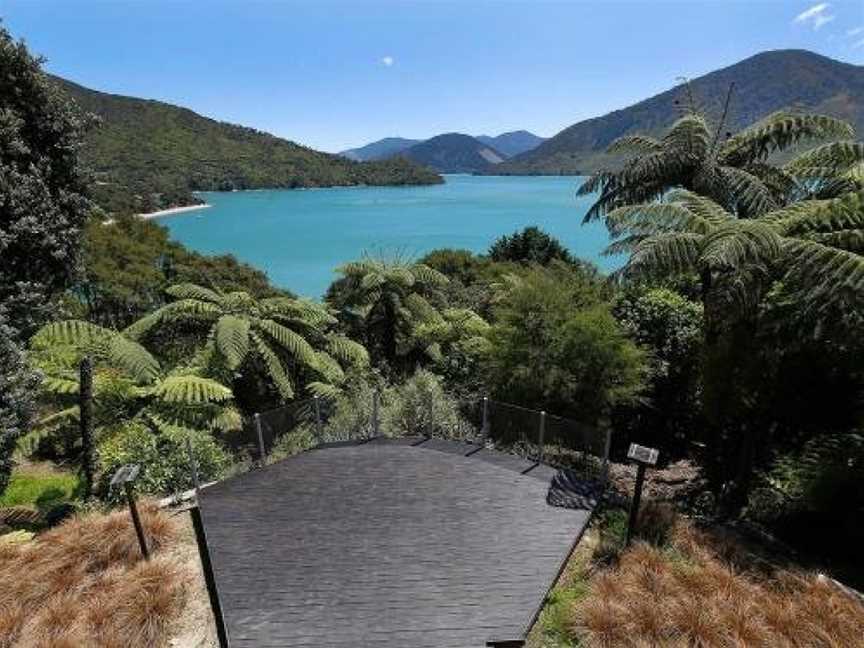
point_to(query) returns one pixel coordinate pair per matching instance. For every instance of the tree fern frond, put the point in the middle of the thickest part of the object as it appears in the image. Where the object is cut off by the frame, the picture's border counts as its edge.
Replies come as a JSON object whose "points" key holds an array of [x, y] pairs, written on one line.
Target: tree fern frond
{"points": [[274, 367], [639, 144], [304, 310], [191, 390], [194, 292], [329, 368], [807, 216], [227, 419], [292, 342], [27, 444], [419, 310], [832, 159], [824, 273], [748, 191], [847, 239], [665, 253], [347, 350], [779, 131], [702, 206], [689, 135], [428, 276], [71, 332], [60, 385], [656, 218], [232, 339], [133, 358], [740, 243], [324, 391]]}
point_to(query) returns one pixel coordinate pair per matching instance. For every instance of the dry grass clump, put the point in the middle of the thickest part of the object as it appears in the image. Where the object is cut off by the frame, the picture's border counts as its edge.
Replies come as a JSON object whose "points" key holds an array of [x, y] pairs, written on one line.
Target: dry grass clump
{"points": [[84, 584], [690, 594]]}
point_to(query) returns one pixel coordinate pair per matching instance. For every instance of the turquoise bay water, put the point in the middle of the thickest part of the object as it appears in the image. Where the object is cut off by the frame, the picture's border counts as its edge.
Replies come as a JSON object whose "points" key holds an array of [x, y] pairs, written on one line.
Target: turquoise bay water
{"points": [[299, 237]]}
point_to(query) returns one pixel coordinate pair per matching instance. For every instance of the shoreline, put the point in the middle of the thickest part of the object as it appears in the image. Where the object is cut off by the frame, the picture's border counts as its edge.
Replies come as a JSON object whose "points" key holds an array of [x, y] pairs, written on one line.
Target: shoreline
{"points": [[171, 211]]}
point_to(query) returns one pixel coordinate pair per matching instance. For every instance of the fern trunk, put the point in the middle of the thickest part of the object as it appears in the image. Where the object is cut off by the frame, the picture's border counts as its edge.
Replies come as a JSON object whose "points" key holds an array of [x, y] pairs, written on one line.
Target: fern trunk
{"points": [[85, 396]]}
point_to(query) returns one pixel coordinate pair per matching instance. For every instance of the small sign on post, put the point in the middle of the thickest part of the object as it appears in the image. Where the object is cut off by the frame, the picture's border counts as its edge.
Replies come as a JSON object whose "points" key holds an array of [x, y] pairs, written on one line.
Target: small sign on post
{"points": [[644, 457], [124, 476]]}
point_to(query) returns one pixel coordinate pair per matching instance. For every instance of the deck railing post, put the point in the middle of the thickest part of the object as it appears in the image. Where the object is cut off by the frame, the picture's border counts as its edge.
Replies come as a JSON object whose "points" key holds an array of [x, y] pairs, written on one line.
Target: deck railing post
{"points": [[318, 431], [541, 436], [485, 429], [606, 451], [261, 454], [193, 466], [375, 429]]}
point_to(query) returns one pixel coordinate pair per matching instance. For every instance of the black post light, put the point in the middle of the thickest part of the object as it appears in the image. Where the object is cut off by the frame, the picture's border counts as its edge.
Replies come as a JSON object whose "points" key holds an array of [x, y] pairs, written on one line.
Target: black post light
{"points": [[643, 457], [124, 476]]}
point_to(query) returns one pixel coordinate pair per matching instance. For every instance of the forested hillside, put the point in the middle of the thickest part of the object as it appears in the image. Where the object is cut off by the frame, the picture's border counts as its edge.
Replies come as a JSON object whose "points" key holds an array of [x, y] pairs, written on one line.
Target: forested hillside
{"points": [[763, 83], [150, 155]]}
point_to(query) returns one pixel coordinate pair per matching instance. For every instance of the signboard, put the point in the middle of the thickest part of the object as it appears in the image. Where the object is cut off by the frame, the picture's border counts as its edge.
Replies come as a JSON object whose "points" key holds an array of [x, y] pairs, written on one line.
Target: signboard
{"points": [[125, 474], [643, 455]]}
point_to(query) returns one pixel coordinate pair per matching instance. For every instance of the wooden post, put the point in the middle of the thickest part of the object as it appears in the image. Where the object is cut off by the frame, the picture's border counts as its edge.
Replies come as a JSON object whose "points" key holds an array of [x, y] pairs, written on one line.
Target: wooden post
{"points": [[634, 505], [644, 457], [136, 520], [261, 454], [85, 422]]}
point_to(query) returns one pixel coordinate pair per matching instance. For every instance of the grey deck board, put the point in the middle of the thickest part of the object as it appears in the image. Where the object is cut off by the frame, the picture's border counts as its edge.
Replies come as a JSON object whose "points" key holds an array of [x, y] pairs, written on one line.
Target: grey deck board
{"points": [[385, 545]]}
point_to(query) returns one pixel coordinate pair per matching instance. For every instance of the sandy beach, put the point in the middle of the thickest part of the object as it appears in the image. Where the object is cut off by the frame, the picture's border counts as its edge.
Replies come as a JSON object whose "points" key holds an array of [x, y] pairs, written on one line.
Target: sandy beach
{"points": [[173, 210]]}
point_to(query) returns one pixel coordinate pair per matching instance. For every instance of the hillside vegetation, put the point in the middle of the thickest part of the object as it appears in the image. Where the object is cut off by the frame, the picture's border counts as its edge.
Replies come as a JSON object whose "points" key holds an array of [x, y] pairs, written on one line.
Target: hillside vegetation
{"points": [[764, 83], [149, 155]]}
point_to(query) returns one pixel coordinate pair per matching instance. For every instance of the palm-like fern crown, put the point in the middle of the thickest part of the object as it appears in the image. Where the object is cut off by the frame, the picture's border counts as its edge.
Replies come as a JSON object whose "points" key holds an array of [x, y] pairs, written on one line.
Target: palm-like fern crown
{"points": [[128, 384], [737, 172], [398, 295], [815, 246], [288, 336]]}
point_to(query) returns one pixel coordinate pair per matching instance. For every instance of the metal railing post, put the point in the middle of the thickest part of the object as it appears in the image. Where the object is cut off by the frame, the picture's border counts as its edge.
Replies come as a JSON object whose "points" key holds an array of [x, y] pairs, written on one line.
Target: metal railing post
{"points": [[318, 431], [193, 466], [606, 451], [485, 429], [375, 429], [261, 454], [541, 435]]}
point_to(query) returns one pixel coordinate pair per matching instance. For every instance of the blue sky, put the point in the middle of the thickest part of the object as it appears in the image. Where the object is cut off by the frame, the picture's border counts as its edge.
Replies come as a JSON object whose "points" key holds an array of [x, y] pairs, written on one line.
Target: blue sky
{"points": [[333, 74]]}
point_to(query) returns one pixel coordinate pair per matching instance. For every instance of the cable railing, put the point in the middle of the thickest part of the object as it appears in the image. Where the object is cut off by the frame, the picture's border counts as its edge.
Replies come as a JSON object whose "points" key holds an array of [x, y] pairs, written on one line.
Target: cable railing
{"points": [[535, 435]]}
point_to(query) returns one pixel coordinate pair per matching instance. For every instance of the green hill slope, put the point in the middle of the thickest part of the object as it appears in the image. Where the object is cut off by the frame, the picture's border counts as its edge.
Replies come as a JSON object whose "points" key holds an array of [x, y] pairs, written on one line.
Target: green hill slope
{"points": [[763, 83], [149, 155]]}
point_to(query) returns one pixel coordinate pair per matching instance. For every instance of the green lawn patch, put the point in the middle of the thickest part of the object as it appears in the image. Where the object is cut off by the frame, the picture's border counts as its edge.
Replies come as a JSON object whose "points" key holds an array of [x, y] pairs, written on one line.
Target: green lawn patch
{"points": [[42, 489]]}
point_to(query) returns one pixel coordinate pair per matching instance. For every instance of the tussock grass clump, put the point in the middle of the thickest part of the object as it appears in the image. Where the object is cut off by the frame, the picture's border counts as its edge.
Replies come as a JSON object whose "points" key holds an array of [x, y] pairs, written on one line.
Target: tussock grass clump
{"points": [[85, 584], [689, 593]]}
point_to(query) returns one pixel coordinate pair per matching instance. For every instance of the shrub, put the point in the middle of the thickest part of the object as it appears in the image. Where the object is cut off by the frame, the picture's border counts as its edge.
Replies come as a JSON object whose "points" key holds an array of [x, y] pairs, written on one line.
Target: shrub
{"points": [[556, 346], [163, 459], [294, 442], [421, 406]]}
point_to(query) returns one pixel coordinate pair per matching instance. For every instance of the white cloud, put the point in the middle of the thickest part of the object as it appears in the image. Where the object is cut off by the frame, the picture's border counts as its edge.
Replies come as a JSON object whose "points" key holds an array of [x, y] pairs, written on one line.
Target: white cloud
{"points": [[816, 16], [859, 44], [388, 61], [855, 31]]}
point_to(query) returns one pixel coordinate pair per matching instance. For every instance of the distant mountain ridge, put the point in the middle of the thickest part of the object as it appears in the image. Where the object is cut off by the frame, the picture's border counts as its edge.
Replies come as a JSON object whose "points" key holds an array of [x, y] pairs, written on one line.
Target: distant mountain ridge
{"points": [[503, 146], [148, 155], [453, 153], [764, 83], [380, 150], [514, 142]]}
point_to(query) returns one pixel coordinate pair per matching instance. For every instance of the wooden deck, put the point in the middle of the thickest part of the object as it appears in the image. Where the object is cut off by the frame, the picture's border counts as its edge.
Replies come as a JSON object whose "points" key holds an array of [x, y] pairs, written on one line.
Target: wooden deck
{"points": [[386, 544]]}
